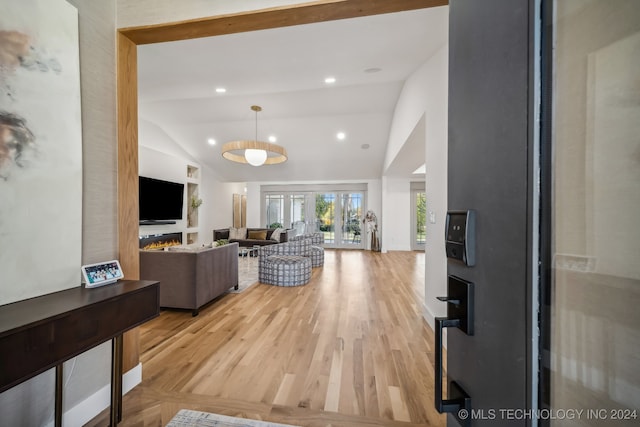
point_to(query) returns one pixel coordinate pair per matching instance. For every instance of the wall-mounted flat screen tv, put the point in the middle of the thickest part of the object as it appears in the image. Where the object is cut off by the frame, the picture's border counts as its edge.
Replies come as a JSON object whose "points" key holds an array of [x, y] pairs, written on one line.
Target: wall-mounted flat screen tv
{"points": [[160, 200]]}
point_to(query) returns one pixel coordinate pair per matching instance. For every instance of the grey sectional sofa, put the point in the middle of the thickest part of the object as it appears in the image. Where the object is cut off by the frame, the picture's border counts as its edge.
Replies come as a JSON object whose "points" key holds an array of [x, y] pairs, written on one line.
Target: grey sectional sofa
{"points": [[190, 279], [223, 233]]}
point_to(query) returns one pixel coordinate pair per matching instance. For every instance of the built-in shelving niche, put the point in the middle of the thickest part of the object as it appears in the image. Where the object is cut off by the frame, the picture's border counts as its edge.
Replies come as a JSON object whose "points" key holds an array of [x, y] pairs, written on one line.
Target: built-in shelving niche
{"points": [[193, 183]]}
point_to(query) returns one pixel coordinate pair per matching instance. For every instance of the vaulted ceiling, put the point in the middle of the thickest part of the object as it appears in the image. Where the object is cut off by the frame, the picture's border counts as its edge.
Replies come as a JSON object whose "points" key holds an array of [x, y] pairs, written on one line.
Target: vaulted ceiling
{"points": [[283, 70]]}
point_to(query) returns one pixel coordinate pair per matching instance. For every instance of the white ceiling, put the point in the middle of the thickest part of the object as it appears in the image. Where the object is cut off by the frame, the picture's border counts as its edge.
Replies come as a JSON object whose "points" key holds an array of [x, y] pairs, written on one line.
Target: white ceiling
{"points": [[283, 71]]}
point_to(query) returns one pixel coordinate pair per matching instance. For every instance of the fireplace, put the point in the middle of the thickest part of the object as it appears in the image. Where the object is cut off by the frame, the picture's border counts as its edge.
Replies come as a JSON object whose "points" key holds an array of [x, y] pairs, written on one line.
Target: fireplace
{"points": [[159, 241]]}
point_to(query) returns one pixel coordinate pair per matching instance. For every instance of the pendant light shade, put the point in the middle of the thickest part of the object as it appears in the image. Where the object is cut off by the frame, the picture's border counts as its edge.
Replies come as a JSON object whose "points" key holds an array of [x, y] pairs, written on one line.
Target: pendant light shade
{"points": [[255, 153], [255, 157]]}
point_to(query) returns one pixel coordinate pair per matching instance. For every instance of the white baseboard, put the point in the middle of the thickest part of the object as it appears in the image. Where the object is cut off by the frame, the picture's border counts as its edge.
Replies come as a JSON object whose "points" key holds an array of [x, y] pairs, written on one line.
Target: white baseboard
{"points": [[429, 317], [86, 410]]}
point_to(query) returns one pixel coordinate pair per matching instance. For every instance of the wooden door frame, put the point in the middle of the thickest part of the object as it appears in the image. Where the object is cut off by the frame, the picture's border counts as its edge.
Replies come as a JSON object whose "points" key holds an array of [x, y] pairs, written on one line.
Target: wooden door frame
{"points": [[127, 95]]}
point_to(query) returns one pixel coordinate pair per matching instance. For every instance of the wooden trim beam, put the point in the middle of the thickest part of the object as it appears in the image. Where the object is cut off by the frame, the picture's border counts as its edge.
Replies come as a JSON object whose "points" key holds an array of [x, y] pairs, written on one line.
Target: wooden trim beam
{"points": [[127, 88], [286, 16]]}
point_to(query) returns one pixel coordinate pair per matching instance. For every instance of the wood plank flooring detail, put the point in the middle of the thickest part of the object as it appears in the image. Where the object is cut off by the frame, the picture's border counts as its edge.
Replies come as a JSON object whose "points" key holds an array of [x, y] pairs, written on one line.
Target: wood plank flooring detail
{"points": [[348, 349]]}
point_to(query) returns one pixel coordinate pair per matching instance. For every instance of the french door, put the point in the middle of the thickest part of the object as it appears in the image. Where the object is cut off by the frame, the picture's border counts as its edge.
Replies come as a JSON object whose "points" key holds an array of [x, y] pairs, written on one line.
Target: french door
{"points": [[351, 205], [325, 216], [418, 216], [336, 214], [339, 216]]}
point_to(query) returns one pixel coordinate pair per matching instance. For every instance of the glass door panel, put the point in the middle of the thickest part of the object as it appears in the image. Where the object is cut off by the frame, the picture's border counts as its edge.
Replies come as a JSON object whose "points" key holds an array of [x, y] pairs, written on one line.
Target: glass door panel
{"points": [[351, 216], [297, 213], [419, 223], [592, 354], [274, 210], [325, 216]]}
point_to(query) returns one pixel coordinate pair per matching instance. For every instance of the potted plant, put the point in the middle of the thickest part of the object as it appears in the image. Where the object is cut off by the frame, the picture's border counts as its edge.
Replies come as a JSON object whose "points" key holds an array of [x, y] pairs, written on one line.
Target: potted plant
{"points": [[195, 201], [194, 204]]}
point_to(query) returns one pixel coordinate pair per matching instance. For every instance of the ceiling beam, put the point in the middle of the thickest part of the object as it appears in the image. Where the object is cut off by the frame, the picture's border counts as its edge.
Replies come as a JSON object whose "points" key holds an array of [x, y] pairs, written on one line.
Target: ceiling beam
{"points": [[284, 16]]}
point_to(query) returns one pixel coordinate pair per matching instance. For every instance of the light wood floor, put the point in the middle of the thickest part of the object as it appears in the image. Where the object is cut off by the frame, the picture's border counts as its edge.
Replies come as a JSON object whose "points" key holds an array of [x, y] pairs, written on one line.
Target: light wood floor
{"points": [[348, 349]]}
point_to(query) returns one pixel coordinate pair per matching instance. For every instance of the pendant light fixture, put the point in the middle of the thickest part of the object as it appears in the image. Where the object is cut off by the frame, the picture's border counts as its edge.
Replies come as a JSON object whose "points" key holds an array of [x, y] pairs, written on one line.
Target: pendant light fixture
{"points": [[255, 153]]}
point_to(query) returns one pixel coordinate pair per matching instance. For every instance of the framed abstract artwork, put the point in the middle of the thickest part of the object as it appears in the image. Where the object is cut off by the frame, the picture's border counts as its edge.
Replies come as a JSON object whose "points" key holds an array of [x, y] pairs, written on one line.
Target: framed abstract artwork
{"points": [[239, 210], [40, 149]]}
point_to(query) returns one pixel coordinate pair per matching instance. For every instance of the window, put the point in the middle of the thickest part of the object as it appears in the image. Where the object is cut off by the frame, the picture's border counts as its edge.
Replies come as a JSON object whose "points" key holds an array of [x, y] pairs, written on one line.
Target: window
{"points": [[274, 209], [418, 216], [297, 216], [325, 216], [351, 218]]}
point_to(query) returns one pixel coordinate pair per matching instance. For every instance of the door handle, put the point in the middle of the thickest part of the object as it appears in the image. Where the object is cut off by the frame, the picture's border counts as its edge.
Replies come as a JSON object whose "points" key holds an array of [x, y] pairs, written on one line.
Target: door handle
{"points": [[462, 399], [450, 300], [459, 315]]}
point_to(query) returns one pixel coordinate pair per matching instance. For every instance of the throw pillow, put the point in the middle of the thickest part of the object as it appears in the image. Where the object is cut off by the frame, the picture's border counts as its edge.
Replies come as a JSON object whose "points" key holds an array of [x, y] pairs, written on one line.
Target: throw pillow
{"points": [[258, 235], [276, 234], [237, 233]]}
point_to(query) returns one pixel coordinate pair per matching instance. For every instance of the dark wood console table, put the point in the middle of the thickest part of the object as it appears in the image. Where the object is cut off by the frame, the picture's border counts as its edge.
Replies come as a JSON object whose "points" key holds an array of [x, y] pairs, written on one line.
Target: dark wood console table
{"points": [[43, 332]]}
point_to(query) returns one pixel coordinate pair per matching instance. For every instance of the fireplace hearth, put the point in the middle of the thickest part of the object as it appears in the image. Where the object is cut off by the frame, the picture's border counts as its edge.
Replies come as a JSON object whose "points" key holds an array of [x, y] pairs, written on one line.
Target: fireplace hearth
{"points": [[159, 241]]}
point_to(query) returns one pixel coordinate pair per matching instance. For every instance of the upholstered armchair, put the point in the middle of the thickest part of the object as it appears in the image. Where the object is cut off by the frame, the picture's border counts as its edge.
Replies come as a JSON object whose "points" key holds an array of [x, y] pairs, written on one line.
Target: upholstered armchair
{"points": [[285, 264], [317, 238], [317, 251], [300, 247]]}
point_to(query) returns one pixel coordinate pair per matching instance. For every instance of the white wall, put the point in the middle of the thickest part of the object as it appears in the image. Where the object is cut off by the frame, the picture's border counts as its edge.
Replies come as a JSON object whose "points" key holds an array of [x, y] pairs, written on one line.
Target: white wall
{"points": [[396, 214], [254, 204], [436, 112], [219, 195], [217, 204], [436, 183], [424, 93]]}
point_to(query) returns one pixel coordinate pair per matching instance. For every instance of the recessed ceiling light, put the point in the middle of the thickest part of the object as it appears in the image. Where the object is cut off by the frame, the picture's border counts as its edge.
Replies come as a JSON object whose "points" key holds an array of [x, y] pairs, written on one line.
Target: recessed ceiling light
{"points": [[341, 136], [373, 70], [272, 138], [365, 146], [330, 80], [220, 90], [211, 141]]}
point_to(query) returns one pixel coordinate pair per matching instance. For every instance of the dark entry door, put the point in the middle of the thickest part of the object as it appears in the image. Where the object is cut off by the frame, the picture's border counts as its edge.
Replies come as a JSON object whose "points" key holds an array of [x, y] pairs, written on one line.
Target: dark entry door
{"points": [[491, 117]]}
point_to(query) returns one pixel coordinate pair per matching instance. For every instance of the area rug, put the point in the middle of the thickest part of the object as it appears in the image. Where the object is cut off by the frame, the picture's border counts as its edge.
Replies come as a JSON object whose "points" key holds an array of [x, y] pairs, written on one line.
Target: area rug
{"points": [[247, 274], [188, 418]]}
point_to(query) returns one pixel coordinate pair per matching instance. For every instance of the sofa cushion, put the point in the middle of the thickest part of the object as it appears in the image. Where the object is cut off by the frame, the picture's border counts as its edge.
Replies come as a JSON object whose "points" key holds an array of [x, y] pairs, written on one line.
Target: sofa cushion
{"points": [[275, 234], [224, 233], [237, 233], [257, 235]]}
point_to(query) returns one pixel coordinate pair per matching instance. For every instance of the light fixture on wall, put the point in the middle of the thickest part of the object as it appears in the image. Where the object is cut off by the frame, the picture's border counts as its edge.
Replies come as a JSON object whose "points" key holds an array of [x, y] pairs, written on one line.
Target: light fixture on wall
{"points": [[255, 153]]}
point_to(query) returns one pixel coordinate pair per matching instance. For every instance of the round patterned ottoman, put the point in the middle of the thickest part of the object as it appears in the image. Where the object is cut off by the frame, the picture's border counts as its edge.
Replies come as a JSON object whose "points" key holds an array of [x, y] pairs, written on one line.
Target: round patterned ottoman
{"points": [[286, 270], [317, 256]]}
